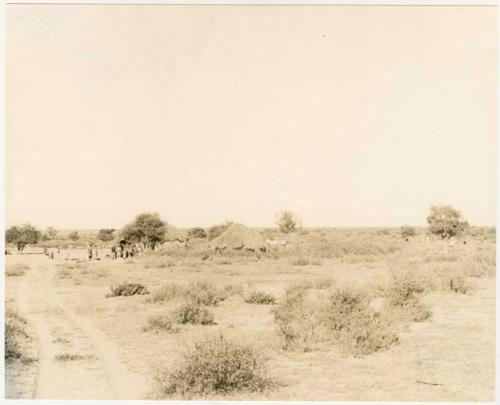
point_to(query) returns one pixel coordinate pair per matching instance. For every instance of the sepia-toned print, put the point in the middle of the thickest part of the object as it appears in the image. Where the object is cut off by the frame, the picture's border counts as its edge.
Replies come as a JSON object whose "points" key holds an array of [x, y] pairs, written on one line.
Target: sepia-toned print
{"points": [[265, 203]]}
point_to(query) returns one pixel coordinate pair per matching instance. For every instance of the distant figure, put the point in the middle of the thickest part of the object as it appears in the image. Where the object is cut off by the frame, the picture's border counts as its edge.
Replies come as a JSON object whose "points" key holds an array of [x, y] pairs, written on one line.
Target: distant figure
{"points": [[113, 252], [89, 251], [96, 253], [465, 242], [58, 249]]}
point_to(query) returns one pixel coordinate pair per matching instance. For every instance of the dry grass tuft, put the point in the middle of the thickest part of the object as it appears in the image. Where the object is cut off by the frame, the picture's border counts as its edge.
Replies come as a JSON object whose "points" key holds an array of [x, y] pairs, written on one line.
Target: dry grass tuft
{"points": [[260, 297], [126, 289]]}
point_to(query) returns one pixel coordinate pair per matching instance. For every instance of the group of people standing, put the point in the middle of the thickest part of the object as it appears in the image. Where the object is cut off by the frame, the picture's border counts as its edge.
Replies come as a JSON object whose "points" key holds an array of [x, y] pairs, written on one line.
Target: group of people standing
{"points": [[123, 249], [92, 252]]}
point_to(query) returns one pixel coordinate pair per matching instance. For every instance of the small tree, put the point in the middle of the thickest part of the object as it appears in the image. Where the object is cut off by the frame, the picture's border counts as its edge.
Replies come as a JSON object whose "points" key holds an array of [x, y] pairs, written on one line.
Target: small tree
{"points": [[446, 221], [74, 235], [407, 231], [287, 221], [51, 232], [197, 233], [106, 235], [22, 236], [147, 228]]}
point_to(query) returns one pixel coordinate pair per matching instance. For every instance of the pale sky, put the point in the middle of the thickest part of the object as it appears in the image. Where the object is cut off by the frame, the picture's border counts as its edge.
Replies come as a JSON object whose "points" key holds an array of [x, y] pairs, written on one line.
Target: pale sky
{"points": [[349, 116]]}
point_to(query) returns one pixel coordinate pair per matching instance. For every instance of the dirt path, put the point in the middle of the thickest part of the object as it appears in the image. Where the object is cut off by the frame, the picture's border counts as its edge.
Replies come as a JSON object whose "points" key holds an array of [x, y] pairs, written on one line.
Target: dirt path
{"points": [[75, 359]]}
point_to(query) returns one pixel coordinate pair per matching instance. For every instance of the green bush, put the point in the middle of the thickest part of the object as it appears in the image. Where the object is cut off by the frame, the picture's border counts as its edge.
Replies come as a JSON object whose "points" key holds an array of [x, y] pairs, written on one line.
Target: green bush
{"points": [[126, 289], [215, 366], [260, 297]]}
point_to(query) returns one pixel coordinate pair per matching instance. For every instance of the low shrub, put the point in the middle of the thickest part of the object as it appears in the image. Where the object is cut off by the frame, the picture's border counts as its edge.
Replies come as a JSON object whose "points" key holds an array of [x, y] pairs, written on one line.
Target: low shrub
{"points": [[342, 318], [403, 295], [162, 323], [404, 287], [481, 265], [367, 333], [15, 335], [299, 321], [204, 293], [191, 312], [215, 366], [260, 297], [126, 289], [12, 349]]}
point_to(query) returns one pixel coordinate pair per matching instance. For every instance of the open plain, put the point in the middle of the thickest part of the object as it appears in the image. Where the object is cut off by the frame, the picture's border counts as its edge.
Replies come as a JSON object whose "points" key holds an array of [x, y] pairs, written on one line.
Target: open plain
{"points": [[87, 344]]}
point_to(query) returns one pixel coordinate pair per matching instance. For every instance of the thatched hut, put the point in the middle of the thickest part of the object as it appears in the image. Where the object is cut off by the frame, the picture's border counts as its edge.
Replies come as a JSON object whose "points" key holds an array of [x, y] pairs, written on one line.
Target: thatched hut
{"points": [[239, 237]]}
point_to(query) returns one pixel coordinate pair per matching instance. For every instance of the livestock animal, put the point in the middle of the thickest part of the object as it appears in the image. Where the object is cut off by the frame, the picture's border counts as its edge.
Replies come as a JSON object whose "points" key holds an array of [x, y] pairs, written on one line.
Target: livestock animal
{"points": [[277, 244]]}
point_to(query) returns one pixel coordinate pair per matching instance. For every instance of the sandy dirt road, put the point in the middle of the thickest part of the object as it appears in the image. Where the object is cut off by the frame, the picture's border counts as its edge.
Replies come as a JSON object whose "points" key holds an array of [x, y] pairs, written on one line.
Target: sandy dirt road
{"points": [[75, 359]]}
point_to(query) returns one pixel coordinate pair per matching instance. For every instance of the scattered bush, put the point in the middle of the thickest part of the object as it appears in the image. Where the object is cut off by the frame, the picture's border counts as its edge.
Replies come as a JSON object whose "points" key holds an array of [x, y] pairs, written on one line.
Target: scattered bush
{"points": [[15, 334], [161, 323], [481, 265], [204, 293], [126, 289], [404, 295], [12, 349], [215, 365], [298, 320], [193, 313], [407, 231], [260, 297], [106, 235], [197, 233], [367, 333]]}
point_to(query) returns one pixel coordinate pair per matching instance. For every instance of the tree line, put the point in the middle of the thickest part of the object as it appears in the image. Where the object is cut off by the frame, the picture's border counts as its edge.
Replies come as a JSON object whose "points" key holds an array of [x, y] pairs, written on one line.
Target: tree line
{"points": [[150, 230]]}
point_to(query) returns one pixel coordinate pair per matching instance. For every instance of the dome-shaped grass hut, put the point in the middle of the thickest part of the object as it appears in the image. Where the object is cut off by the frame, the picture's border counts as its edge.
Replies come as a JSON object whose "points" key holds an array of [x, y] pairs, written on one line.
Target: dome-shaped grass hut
{"points": [[238, 237]]}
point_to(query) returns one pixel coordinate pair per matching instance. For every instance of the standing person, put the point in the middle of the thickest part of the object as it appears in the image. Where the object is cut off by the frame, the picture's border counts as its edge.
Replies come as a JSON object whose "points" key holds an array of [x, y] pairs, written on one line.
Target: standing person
{"points": [[89, 251], [113, 252], [96, 253]]}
